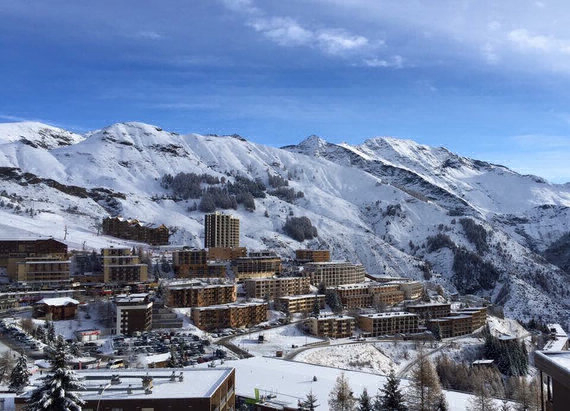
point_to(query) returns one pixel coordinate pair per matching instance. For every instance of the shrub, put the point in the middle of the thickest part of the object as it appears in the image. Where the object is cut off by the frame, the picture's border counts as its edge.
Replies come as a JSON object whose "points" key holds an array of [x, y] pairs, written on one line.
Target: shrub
{"points": [[300, 228]]}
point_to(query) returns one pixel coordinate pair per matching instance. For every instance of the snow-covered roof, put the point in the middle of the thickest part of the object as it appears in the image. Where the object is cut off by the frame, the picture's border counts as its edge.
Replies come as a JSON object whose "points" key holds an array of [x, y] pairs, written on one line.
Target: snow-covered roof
{"points": [[389, 314], [557, 330], [229, 305], [196, 383], [429, 305], [290, 381], [58, 301], [301, 296]]}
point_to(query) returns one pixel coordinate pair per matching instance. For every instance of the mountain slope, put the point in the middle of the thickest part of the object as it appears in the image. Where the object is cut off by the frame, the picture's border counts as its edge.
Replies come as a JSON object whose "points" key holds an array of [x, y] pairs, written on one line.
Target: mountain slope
{"points": [[381, 203]]}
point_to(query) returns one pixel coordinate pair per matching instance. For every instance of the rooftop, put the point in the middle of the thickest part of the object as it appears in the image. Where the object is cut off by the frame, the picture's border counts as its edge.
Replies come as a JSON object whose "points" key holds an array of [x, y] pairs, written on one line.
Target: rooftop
{"points": [[300, 296], [556, 364], [196, 383], [58, 301], [229, 305], [389, 314]]}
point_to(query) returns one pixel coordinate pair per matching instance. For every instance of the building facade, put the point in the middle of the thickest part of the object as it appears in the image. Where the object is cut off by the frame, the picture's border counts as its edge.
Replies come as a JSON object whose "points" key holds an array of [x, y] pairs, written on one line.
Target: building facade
{"points": [[221, 230], [233, 315], [555, 374], [276, 287], [412, 289], [368, 294], [55, 309], [133, 313], [134, 230], [300, 303], [312, 256], [43, 271], [256, 267], [332, 326], [121, 267], [334, 273], [388, 323], [195, 264], [200, 294], [430, 310]]}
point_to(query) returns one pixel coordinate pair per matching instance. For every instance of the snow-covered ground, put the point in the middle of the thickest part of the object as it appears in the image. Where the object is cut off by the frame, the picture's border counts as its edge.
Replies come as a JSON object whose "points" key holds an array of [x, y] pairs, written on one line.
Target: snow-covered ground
{"points": [[275, 339], [506, 327]]}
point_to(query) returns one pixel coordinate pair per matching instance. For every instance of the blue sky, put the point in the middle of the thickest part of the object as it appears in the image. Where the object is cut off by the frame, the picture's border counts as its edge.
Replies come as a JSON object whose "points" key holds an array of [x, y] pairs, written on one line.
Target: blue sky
{"points": [[488, 79]]}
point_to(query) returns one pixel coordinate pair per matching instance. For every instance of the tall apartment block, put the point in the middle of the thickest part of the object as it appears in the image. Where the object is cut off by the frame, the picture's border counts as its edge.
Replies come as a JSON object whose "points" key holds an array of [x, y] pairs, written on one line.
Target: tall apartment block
{"points": [[334, 273], [430, 310], [276, 287], [198, 294], [134, 313], [120, 266], [332, 326], [388, 323], [229, 315], [221, 230], [312, 256]]}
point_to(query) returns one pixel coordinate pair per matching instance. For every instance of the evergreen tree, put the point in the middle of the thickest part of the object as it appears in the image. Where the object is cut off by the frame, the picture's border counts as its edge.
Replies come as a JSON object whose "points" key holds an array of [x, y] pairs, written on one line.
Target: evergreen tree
{"points": [[391, 398], [441, 403], [6, 365], [50, 333], [365, 402], [425, 389], [309, 403], [341, 397], [174, 361], [56, 393], [316, 308], [40, 334], [20, 375]]}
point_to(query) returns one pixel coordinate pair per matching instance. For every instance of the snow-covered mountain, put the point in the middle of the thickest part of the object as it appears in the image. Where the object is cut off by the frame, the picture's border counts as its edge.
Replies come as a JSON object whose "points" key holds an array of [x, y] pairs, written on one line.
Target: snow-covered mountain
{"points": [[398, 207]]}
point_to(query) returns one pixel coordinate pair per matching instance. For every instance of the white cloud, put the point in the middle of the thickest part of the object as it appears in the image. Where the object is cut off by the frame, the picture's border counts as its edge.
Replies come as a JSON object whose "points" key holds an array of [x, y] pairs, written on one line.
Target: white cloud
{"points": [[525, 41], [149, 35], [287, 31], [394, 62]]}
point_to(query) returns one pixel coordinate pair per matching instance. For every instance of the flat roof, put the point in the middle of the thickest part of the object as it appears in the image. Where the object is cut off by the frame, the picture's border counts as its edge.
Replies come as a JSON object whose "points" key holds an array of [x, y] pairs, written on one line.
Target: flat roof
{"points": [[197, 383], [389, 314], [300, 296], [58, 301], [229, 305], [429, 305], [291, 381]]}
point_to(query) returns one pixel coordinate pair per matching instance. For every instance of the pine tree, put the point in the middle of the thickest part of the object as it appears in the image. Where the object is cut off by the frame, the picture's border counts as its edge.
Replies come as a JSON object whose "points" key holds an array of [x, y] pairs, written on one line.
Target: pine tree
{"points": [[424, 390], [365, 402], [56, 393], [310, 402], [441, 403], [50, 332], [391, 398], [174, 361], [341, 397], [316, 308], [6, 365], [20, 375]]}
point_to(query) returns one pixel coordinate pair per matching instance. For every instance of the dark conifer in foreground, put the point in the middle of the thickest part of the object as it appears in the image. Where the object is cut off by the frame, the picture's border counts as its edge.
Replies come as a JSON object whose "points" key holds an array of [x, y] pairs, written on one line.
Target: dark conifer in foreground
{"points": [[20, 375], [391, 398]]}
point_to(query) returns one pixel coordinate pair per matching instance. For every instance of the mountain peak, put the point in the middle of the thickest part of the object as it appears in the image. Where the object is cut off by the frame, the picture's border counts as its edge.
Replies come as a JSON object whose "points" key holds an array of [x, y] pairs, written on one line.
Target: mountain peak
{"points": [[37, 135]]}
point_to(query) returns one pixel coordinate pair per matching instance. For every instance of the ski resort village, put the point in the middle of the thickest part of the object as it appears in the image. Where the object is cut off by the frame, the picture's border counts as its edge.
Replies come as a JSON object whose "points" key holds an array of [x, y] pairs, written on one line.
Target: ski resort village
{"points": [[142, 270]]}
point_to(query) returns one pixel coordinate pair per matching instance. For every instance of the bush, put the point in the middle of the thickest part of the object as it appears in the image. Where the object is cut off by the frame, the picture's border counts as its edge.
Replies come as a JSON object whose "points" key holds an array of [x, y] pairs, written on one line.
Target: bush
{"points": [[300, 228], [439, 241], [286, 194], [277, 181]]}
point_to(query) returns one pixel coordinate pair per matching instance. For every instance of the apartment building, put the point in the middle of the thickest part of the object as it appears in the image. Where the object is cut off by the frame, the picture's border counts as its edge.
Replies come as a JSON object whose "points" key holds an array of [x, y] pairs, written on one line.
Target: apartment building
{"points": [[195, 264], [221, 230], [135, 230], [155, 389], [276, 287], [256, 267], [226, 253], [478, 316], [412, 289], [452, 326], [430, 310], [120, 266], [554, 367], [388, 323], [43, 271], [334, 273], [299, 303], [312, 256], [199, 294], [133, 313], [332, 326], [13, 252], [229, 315], [368, 294]]}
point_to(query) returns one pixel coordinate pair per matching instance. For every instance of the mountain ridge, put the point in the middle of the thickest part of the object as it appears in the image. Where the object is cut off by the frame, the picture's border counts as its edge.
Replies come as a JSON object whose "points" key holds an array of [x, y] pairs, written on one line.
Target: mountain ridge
{"points": [[382, 203]]}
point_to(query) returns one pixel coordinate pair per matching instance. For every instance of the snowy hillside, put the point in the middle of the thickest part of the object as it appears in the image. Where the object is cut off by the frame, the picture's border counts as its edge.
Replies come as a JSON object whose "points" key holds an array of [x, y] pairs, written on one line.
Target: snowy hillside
{"points": [[394, 205]]}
